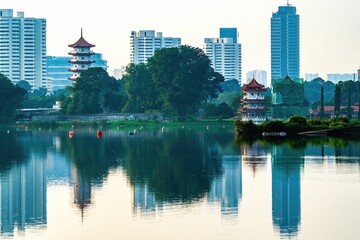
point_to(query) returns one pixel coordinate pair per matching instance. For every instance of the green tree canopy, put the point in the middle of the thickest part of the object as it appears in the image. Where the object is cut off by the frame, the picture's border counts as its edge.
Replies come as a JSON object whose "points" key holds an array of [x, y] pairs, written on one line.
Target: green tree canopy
{"points": [[24, 85], [139, 88], [94, 92], [183, 77], [10, 98], [337, 98]]}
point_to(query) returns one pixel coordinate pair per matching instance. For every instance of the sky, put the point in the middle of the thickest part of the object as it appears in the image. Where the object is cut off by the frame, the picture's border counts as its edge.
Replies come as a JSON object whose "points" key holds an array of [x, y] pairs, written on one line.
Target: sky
{"points": [[329, 29]]}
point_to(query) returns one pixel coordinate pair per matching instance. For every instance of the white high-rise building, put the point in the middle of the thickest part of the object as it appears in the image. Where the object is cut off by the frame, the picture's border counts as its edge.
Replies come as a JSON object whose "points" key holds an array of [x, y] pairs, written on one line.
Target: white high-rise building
{"points": [[144, 43], [259, 75], [311, 76], [337, 77], [23, 48], [225, 57]]}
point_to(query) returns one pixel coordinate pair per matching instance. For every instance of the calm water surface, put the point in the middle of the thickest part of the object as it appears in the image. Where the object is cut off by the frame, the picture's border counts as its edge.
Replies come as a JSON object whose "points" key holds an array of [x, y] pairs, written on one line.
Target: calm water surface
{"points": [[177, 184]]}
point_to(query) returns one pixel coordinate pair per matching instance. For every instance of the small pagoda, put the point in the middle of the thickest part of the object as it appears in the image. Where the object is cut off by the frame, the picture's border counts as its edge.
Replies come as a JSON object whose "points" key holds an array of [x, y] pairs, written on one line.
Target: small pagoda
{"points": [[81, 60], [254, 102]]}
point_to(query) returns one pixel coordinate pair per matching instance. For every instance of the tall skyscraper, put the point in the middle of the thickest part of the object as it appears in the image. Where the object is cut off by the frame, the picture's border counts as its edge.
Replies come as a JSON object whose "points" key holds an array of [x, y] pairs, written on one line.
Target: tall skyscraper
{"points": [[144, 43], [229, 33], [225, 56], [285, 43], [23, 48]]}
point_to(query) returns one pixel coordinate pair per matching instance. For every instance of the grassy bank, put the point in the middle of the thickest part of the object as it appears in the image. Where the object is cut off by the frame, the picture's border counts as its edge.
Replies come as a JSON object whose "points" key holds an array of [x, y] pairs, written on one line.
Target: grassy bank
{"points": [[126, 124]]}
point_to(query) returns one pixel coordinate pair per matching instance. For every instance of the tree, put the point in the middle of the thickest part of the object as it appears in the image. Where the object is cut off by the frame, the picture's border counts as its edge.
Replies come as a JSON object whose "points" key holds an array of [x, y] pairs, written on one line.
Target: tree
{"points": [[10, 98], [24, 85], [93, 92], [359, 108], [139, 88], [322, 102], [183, 78], [222, 110], [337, 98], [349, 109]]}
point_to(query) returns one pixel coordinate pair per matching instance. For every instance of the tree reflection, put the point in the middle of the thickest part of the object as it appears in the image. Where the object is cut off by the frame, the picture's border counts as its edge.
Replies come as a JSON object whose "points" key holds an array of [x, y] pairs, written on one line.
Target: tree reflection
{"points": [[175, 165], [11, 149], [91, 159]]}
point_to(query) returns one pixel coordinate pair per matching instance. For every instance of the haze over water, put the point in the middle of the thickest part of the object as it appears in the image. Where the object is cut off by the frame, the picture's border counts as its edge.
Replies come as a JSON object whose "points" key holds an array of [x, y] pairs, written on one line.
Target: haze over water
{"points": [[177, 184]]}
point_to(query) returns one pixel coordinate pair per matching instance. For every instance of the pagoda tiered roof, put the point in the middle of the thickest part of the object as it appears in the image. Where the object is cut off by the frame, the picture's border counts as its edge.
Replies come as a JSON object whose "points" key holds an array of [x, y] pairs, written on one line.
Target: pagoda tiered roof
{"points": [[253, 85], [81, 43]]}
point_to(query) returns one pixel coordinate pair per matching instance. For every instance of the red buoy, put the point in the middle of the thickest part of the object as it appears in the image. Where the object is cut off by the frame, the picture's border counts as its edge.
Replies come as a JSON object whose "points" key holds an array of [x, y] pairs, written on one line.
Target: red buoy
{"points": [[71, 134], [99, 134]]}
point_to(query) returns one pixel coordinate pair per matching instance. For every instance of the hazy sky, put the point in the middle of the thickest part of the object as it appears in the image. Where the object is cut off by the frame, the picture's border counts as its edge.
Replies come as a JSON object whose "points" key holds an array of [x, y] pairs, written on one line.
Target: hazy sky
{"points": [[329, 29]]}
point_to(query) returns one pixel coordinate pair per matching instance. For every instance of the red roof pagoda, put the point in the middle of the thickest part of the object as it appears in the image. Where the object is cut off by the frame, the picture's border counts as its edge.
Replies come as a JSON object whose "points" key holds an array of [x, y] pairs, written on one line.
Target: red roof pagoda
{"points": [[81, 56]]}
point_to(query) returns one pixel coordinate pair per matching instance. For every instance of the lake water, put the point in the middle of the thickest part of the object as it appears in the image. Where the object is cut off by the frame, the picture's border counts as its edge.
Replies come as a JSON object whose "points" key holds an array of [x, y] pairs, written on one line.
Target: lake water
{"points": [[178, 184]]}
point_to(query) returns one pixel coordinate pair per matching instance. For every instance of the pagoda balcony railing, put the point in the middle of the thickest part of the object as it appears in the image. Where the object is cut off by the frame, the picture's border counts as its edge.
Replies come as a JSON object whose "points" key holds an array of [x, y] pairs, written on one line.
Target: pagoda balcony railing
{"points": [[257, 109], [81, 53], [254, 98], [76, 69], [254, 119], [83, 61]]}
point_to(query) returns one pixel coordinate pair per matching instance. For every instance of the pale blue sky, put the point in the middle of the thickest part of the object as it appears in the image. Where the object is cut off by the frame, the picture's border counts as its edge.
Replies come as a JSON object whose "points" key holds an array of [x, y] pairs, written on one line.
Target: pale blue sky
{"points": [[329, 29]]}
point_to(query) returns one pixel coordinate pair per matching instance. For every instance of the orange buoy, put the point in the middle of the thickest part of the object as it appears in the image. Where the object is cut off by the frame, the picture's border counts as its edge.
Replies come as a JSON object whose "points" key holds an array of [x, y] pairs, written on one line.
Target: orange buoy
{"points": [[99, 134], [71, 134]]}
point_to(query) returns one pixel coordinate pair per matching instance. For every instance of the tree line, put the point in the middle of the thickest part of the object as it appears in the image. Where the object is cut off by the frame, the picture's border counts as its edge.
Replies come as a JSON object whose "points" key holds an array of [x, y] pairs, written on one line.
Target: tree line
{"points": [[175, 81]]}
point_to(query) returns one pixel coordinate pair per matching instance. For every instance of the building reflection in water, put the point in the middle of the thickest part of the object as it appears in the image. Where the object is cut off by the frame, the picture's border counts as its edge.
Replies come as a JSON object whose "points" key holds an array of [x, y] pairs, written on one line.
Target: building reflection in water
{"points": [[23, 196], [227, 189], [286, 202], [254, 155], [82, 190], [144, 201]]}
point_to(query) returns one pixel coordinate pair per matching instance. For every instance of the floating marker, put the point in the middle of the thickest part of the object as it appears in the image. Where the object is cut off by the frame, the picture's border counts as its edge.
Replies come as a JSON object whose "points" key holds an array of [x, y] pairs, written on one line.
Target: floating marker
{"points": [[71, 134], [99, 134]]}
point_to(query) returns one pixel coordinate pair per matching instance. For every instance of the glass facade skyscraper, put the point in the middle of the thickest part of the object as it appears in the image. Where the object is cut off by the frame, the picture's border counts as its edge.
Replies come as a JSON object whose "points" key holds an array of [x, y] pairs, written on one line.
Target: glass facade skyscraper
{"points": [[285, 43], [58, 69]]}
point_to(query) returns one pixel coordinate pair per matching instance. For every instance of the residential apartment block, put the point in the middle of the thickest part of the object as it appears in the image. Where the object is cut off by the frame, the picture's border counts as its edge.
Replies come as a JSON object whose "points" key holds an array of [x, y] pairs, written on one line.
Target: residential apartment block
{"points": [[225, 56], [23, 48], [143, 44]]}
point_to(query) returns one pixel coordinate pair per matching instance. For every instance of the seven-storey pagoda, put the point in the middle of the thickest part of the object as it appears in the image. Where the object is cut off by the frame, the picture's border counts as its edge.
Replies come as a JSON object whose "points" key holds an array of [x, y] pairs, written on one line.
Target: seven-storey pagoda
{"points": [[81, 57], [254, 102]]}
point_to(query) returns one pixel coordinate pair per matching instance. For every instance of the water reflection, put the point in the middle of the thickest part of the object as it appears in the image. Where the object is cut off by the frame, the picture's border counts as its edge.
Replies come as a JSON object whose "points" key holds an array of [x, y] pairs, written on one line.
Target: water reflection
{"points": [[227, 188], [171, 168], [177, 166], [254, 154], [23, 188], [287, 162]]}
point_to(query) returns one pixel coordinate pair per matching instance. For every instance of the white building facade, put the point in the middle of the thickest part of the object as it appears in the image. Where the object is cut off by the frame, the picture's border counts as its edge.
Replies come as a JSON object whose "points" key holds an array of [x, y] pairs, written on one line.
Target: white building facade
{"points": [[337, 77], [225, 57], [143, 44], [259, 75], [311, 76], [23, 48]]}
